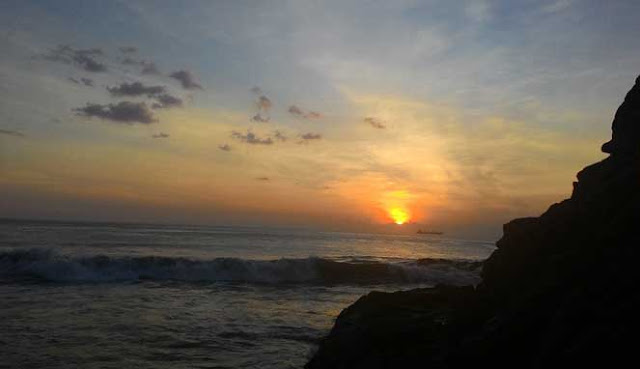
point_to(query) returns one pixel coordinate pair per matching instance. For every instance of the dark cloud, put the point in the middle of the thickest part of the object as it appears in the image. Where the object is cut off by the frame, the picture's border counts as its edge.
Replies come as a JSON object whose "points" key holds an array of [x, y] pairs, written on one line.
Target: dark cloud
{"points": [[166, 101], [259, 118], [262, 179], [130, 61], [186, 79], [158, 93], [123, 112], [307, 137], [128, 49], [136, 89], [311, 136], [313, 115], [160, 135], [82, 58], [224, 147], [374, 122], [264, 103], [295, 110], [11, 133], [279, 136], [87, 81], [251, 138], [84, 81], [148, 67]]}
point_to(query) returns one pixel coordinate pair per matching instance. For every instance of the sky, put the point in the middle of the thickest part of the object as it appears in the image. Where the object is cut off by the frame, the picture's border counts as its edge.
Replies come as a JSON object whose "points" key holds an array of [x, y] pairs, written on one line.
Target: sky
{"points": [[340, 115]]}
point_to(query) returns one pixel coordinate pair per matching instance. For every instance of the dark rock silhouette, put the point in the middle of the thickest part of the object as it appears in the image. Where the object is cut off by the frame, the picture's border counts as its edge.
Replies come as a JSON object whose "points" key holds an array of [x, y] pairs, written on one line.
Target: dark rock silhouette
{"points": [[560, 290]]}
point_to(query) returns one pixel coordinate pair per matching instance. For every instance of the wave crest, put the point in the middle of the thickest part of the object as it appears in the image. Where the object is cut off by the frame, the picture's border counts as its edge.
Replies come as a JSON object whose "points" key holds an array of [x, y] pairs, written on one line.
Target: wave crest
{"points": [[48, 265]]}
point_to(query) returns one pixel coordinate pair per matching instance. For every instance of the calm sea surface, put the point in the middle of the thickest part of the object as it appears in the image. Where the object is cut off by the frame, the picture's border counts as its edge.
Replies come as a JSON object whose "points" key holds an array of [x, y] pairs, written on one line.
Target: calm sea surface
{"points": [[117, 296]]}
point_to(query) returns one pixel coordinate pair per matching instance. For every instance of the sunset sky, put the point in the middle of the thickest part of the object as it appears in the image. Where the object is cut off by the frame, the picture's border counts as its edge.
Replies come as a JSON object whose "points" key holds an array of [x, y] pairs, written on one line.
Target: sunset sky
{"points": [[345, 115]]}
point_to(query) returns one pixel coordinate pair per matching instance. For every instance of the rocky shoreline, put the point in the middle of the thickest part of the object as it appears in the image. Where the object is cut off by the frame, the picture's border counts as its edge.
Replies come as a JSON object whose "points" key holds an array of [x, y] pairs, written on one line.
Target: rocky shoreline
{"points": [[561, 289]]}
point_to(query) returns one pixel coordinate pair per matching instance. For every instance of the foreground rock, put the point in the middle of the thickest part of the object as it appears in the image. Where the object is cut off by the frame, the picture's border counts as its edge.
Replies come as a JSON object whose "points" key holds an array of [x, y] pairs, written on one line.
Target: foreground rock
{"points": [[561, 289]]}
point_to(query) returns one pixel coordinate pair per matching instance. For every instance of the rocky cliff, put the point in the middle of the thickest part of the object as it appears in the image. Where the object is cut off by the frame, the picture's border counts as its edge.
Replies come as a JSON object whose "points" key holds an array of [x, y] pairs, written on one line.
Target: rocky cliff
{"points": [[561, 289]]}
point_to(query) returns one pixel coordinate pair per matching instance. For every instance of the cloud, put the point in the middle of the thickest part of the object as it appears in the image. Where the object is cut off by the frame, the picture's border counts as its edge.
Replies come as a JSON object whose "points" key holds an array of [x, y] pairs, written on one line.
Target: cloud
{"points": [[128, 49], [259, 118], [225, 147], [123, 112], [148, 67], [87, 81], [130, 61], [313, 115], [82, 58], [256, 90], [556, 6], [295, 110], [166, 101], [11, 133], [311, 136], [251, 138], [374, 122], [264, 103], [158, 93], [186, 79], [136, 89], [264, 179], [160, 135], [279, 136], [84, 81]]}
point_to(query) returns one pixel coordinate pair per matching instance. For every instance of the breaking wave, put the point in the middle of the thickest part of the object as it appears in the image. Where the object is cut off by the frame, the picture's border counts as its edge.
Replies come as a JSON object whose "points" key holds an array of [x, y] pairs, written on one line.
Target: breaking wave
{"points": [[51, 266]]}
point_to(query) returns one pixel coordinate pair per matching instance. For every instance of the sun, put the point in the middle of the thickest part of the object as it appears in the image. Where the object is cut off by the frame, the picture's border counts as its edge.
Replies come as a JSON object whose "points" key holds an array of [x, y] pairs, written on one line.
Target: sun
{"points": [[399, 216]]}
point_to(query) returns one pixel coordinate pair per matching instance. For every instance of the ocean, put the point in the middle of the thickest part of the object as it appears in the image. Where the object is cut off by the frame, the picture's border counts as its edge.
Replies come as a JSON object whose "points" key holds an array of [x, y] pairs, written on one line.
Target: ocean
{"points": [[99, 295]]}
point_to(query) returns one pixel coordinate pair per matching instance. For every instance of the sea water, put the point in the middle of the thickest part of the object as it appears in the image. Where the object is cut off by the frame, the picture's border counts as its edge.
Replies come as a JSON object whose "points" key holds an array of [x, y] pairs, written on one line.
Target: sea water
{"points": [[92, 295]]}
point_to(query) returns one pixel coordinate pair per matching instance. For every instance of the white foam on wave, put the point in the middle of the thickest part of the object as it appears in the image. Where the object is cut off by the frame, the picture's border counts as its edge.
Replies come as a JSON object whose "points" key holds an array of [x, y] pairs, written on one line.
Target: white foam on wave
{"points": [[49, 265]]}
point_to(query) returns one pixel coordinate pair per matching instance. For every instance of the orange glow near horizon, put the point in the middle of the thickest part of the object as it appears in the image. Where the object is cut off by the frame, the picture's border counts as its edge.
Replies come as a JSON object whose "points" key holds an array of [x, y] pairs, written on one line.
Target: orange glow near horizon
{"points": [[399, 216]]}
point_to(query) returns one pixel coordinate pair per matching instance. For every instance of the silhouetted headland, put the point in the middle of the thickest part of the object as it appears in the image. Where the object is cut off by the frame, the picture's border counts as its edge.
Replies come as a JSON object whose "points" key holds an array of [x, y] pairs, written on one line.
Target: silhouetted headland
{"points": [[561, 290]]}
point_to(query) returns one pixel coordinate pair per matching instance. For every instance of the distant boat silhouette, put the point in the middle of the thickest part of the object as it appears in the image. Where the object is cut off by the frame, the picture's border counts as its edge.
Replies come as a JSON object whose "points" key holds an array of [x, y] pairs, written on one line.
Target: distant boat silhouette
{"points": [[420, 231]]}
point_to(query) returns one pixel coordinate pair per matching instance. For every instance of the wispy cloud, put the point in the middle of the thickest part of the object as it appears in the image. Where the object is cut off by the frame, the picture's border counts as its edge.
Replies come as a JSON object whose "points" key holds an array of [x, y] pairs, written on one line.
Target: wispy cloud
{"points": [[166, 101], [556, 6], [148, 67], [128, 49], [11, 133], [186, 79], [158, 93], [279, 136], [311, 136], [135, 89], [251, 138], [82, 58], [298, 112], [87, 81], [259, 118], [263, 106], [374, 122], [264, 103], [123, 112]]}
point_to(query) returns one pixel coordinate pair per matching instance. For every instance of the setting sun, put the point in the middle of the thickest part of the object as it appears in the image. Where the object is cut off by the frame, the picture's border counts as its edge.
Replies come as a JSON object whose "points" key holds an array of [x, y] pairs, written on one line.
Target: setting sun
{"points": [[399, 216]]}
